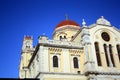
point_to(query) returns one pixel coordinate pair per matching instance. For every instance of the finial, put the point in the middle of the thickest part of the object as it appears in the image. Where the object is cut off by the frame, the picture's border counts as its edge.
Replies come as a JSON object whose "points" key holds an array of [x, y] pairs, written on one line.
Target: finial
{"points": [[84, 23], [102, 17], [66, 16], [43, 34]]}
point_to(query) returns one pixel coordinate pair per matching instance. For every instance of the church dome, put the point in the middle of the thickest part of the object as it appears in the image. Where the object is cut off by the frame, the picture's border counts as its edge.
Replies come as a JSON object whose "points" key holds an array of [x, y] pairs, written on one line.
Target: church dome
{"points": [[67, 22]]}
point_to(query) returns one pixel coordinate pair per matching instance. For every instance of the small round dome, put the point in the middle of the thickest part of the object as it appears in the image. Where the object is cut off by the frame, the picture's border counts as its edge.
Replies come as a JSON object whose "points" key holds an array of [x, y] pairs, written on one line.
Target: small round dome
{"points": [[103, 21], [67, 22]]}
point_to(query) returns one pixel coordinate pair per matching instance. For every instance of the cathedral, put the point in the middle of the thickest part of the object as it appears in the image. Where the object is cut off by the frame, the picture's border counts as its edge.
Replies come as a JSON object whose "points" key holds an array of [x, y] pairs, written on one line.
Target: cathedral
{"points": [[74, 53]]}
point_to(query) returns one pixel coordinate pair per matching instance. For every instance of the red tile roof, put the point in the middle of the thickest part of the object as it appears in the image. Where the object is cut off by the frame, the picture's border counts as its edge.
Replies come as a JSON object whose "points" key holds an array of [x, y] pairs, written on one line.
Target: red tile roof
{"points": [[67, 22], [28, 37]]}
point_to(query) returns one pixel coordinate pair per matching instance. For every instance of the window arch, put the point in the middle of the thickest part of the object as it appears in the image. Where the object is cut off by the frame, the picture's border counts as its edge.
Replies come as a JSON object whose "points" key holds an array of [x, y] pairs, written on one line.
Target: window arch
{"points": [[55, 61], [60, 37], [111, 55], [27, 46], [72, 37], [75, 62], [64, 37], [118, 50], [106, 56], [98, 54]]}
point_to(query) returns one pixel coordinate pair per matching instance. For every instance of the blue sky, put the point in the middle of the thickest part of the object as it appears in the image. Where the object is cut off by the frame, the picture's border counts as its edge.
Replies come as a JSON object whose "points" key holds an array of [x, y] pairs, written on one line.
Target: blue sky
{"points": [[35, 17]]}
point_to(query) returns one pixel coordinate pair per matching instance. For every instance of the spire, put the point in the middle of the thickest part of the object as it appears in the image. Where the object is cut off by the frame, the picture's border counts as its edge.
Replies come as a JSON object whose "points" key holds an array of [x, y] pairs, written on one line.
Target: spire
{"points": [[66, 16], [84, 23]]}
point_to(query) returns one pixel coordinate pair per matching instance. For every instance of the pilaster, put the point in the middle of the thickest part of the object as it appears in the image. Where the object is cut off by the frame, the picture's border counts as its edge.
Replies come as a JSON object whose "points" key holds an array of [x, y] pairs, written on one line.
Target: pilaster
{"points": [[66, 60], [89, 63]]}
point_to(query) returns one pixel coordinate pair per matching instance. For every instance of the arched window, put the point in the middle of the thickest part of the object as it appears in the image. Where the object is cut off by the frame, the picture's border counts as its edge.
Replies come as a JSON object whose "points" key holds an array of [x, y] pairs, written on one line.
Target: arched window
{"points": [[55, 61], [27, 46], [72, 37], [60, 37], [75, 62], [111, 55], [64, 37], [106, 56], [118, 50], [98, 54]]}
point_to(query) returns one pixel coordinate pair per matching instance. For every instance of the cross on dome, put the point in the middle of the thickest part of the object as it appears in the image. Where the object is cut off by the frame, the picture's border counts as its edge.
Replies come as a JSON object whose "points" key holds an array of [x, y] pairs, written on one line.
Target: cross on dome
{"points": [[66, 16]]}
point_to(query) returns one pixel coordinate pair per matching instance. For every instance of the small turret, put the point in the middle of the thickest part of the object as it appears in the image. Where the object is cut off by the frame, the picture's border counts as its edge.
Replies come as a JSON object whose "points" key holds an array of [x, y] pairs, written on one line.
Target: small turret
{"points": [[27, 43], [84, 23], [27, 51], [42, 38]]}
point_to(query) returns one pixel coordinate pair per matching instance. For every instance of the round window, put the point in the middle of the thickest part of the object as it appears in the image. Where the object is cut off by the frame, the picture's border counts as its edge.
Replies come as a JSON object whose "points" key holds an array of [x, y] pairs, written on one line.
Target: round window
{"points": [[105, 36]]}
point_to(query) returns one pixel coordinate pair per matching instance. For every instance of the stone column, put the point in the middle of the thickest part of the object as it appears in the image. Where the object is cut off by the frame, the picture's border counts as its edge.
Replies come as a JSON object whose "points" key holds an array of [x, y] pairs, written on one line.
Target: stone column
{"points": [[109, 58], [86, 53]]}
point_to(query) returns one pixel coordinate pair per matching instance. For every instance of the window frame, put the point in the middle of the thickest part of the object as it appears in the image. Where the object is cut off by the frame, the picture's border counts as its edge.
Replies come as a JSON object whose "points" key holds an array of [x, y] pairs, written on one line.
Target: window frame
{"points": [[97, 51], [55, 61], [75, 62]]}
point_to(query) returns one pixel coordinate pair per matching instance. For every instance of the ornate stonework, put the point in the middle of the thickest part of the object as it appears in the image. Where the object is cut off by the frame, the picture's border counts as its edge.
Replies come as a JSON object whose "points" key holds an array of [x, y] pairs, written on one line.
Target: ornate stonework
{"points": [[74, 53]]}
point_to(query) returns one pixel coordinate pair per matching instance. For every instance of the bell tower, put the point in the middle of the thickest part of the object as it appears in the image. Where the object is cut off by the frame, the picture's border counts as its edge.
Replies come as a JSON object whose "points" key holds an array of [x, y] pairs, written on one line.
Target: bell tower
{"points": [[26, 54], [27, 43]]}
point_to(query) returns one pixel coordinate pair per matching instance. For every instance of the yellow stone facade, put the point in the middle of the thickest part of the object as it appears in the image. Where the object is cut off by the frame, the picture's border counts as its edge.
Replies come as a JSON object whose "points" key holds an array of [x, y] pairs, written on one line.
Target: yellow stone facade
{"points": [[75, 53]]}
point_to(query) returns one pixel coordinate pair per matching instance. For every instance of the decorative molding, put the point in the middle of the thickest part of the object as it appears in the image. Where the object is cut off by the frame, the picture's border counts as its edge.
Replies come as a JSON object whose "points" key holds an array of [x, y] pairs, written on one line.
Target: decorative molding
{"points": [[55, 49], [56, 53], [75, 55], [61, 46], [61, 73], [96, 36], [76, 51]]}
